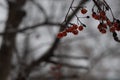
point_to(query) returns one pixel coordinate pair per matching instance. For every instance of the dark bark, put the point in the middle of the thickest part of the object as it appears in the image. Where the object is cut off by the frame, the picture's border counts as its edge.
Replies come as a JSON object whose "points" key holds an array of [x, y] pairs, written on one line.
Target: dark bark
{"points": [[15, 17]]}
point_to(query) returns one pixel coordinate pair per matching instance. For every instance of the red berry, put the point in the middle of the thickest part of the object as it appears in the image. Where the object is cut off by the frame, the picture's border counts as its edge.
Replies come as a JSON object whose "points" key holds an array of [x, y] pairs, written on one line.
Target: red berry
{"points": [[115, 24], [100, 26], [80, 28], [70, 29], [108, 22], [103, 17], [75, 32], [84, 11], [60, 35], [75, 26], [67, 30], [102, 13], [64, 33], [118, 28], [95, 16], [112, 29], [104, 25], [103, 31]]}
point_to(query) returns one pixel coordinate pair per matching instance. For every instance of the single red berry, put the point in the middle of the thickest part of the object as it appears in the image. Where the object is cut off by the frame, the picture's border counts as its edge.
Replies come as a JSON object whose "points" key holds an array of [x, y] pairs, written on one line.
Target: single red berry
{"points": [[75, 26], [102, 13], [93, 14], [80, 28], [60, 35], [67, 30], [70, 29], [100, 26], [64, 33], [103, 31], [118, 28], [104, 25], [112, 29], [84, 11], [75, 32], [103, 17], [96, 16], [109, 23], [115, 24]]}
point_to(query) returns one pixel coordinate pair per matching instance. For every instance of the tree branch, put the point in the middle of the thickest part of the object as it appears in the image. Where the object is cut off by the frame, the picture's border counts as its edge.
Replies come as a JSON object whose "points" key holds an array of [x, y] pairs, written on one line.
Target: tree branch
{"points": [[50, 52], [70, 57], [68, 65], [29, 28]]}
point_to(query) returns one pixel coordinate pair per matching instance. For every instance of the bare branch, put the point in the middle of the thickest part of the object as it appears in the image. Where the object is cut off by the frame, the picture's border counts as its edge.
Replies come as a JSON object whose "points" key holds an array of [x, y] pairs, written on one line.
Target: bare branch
{"points": [[68, 65], [70, 57], [41, 9], [30, 27]]}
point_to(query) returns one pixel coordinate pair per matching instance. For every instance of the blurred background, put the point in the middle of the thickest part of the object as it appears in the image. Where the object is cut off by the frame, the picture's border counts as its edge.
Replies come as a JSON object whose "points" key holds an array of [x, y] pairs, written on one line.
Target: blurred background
{"points": [[36, 53]]}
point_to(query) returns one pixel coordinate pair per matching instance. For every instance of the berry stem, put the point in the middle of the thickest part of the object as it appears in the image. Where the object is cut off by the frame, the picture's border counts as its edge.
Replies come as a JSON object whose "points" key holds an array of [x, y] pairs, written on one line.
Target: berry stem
{"points": [[69, 10]]}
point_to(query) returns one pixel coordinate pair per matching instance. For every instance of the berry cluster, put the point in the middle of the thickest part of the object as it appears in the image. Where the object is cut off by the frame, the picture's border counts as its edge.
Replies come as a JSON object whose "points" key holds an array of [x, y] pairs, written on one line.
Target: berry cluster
{"points": [[99, 13], [113, 26], [104, 21], [74, 29]]}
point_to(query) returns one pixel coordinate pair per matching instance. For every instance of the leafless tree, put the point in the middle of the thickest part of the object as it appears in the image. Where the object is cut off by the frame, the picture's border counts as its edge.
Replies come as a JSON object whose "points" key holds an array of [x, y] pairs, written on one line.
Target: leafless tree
{"points": [[27, 21]]}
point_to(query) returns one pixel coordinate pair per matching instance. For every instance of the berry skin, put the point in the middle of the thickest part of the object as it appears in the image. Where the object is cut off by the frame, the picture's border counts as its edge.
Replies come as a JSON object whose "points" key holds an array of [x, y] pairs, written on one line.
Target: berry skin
{"points": [[108, 22], [84, 11], [80, 28], [75, 32], [103, 17], [112, 29], [118, 28], [102, 13], [67, 30], [75, 26], [95, 16], [104, 25], [60, 35], [115, 24], [70, 29], [103, 31], [64, 33], [100, 26]]}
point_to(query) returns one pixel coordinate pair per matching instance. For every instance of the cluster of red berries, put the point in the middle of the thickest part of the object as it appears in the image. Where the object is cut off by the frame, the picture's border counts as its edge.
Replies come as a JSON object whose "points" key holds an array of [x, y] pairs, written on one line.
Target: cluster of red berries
{"points": [[113, 26], [104, 22], [74, 29], [99, 11], [99, 15]]}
